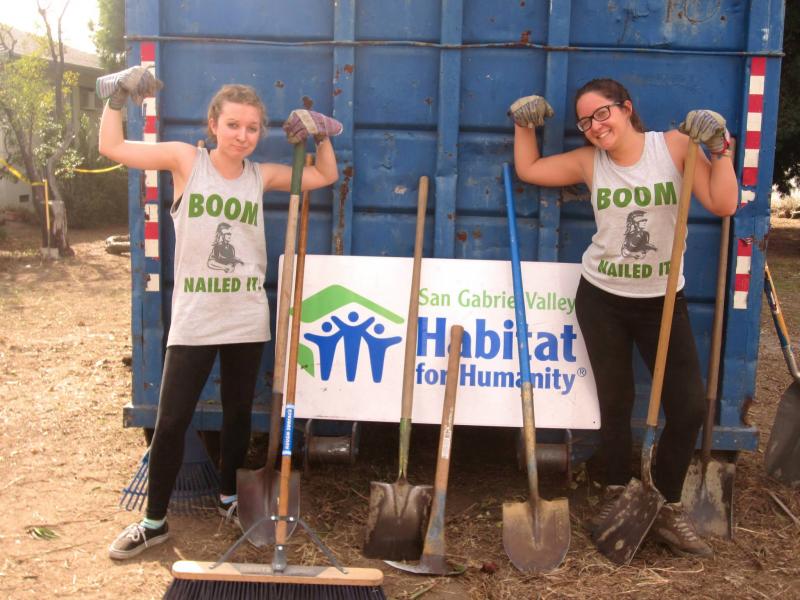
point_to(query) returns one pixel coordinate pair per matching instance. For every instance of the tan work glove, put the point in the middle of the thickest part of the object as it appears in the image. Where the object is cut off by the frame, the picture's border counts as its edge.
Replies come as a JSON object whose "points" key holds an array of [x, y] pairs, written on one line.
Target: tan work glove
{"points": [[136, 82], [302, 123], [707, 127], [530, 111]]}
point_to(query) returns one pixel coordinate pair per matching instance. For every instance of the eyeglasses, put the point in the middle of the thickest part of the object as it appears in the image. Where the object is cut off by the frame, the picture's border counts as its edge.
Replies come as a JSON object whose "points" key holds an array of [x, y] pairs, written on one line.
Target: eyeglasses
{"points": [[601, 114]]}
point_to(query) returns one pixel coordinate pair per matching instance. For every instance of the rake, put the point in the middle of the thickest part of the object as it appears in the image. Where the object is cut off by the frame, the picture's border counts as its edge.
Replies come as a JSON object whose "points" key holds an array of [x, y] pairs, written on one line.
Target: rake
{"points": [[196, 487]]}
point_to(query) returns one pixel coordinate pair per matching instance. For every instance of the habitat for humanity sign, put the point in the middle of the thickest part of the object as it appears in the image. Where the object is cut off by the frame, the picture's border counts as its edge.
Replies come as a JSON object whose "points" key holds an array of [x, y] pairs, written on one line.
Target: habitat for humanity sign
{"points": [[352, 340]]}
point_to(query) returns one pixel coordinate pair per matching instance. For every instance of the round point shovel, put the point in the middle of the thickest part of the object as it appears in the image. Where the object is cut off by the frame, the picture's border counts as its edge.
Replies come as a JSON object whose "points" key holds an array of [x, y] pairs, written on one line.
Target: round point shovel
{"points": [[258, 489], [398, 511], [536, 533], [707, 494], [433, 561], [620, 534]]}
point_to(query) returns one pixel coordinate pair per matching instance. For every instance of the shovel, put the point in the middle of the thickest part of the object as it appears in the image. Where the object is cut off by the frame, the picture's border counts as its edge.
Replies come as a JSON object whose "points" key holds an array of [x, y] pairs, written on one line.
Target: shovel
{"points": [[398, 511], [707, 494], [536, 532], [782, 458], [621, 533], [258, 490], [433, 560]]}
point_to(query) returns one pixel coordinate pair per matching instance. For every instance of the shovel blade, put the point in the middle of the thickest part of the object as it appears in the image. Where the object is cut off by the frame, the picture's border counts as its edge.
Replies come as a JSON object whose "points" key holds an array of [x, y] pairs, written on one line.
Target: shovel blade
{"points": [[398, 517], [709, 500], [256, 501], [536, 538], [429, 565], [620, 534], [782, 457]]}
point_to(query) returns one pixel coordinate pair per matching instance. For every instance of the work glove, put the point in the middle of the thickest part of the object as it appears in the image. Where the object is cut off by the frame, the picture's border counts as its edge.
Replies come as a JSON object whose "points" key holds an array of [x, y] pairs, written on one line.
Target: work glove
{"points": [[706, 127], [302, 123], [530, 111], [136, 82]]}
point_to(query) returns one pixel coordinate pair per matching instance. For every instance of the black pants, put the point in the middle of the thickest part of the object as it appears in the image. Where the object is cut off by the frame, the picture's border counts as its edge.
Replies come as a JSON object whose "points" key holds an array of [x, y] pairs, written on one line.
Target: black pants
{"points": [[611, 325], [186, 369]]}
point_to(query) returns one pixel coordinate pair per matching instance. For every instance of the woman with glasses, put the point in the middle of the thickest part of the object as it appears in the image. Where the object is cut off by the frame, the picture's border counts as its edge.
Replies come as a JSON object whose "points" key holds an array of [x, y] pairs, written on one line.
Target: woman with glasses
{"points": [[635, 179]]}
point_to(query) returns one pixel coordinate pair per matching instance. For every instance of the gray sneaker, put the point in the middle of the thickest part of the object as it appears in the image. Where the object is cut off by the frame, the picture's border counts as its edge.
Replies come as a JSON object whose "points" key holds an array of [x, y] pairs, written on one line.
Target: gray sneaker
{"points": [[135, 539], [674, 529], [610, 496]]}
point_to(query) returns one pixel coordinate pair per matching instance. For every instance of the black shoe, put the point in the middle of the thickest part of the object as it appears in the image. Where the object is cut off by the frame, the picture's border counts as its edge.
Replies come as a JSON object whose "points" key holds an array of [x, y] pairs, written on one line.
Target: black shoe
{"points": [[229, 511], [135, 539]]}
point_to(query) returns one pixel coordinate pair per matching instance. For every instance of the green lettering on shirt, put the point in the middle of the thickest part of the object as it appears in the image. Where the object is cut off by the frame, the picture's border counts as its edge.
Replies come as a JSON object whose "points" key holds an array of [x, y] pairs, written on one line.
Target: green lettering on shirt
{"points": [[665, 194]]}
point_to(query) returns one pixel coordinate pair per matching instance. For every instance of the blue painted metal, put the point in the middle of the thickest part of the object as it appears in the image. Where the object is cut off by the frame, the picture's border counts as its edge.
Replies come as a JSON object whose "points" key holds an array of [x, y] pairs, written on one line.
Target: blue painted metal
{"points": [[422, 88]]}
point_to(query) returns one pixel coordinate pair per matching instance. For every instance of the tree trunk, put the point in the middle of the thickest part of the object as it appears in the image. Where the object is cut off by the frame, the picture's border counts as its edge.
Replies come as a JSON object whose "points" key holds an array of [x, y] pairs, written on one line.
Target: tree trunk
{"points": [[59, 233]]}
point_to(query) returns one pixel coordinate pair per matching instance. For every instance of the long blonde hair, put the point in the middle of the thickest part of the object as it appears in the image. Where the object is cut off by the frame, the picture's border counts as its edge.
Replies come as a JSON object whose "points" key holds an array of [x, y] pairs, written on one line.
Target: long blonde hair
{"points": [[239, 94]]}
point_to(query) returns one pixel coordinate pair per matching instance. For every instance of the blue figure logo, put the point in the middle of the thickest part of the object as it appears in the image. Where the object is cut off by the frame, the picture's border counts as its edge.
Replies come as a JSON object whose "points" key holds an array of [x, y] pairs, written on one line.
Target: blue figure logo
{"points": [[353, 333]]}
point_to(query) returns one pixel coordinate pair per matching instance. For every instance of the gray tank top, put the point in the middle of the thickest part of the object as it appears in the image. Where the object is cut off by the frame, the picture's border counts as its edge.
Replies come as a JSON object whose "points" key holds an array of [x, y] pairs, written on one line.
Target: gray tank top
{"points": [[220, 259], [635, 209]]}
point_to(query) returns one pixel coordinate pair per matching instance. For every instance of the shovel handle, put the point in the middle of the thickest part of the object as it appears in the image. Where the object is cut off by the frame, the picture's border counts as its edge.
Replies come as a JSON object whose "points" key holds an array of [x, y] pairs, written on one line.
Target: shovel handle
{"points": [[281, 526], [712, 382], [411, 329], [678, 242], [434, 537], [780, 324], [528, 417], [282, 325]]}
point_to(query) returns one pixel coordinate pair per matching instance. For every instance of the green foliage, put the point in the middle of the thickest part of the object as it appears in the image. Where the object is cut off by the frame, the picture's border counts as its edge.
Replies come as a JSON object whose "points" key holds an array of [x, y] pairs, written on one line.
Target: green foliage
{"points": [[787, 142], [94, 199], [27, 100], [108, 34]]}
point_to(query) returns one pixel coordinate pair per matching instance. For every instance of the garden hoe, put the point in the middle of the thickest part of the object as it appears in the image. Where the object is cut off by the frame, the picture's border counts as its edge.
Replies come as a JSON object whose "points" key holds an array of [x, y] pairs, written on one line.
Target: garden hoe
{"points": [[707, 494], [258, 489], [782, 458], [398, 511], [621, 533], [433, 561], [536, 533]]}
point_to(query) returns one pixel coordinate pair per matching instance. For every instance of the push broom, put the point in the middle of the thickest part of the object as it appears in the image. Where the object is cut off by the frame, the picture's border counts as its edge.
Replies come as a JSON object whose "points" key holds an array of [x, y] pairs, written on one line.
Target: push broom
{"points": [[247, 581]]}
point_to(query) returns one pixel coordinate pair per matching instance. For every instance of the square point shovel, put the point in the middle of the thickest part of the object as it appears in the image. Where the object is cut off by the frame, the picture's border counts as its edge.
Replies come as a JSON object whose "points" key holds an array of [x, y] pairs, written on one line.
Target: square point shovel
{"points": [[398, 512], [536, 533], [707, 493], [621, 533]]}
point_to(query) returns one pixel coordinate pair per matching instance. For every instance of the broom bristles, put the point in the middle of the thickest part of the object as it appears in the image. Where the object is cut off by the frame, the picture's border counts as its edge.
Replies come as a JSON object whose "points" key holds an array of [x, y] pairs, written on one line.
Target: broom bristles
{"points": [[244, 581], [189, 589]]}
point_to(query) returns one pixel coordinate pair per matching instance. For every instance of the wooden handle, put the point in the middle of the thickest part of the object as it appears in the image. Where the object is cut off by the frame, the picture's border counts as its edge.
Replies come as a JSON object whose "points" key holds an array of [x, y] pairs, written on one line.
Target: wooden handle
{"points": [[448, 411], [411, 328], [434, 537], [712, 381], [678, 242], [282, 320], [291, 379]]}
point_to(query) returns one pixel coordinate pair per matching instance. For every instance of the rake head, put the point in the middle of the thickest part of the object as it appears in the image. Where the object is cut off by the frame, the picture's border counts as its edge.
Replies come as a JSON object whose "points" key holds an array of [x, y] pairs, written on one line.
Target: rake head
{"points": [[196, 487]]}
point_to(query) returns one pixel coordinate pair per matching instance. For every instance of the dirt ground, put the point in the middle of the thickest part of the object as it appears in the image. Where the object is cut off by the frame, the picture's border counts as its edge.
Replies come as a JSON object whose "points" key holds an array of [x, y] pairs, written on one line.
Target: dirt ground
{"points": [[64, 457]]}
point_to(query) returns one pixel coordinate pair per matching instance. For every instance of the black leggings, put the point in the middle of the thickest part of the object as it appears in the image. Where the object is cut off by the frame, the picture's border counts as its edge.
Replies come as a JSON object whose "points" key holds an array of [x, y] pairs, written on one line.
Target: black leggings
{"points": [[186, 369], [611, 325]]}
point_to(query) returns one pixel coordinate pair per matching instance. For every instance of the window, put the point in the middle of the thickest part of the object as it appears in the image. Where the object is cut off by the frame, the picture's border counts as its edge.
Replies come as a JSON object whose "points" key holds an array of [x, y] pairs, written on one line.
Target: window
{"points": [[24, 198], [88, 99]]}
